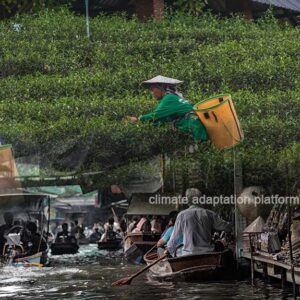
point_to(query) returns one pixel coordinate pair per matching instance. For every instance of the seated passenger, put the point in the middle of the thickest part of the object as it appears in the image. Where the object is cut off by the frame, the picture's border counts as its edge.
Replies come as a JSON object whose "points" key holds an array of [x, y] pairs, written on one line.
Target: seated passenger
{"points": [[111, 231], [143, 225], [95, 236], [132, 224], [166, 235], [37, 241], [64, 235], [156, 224]]}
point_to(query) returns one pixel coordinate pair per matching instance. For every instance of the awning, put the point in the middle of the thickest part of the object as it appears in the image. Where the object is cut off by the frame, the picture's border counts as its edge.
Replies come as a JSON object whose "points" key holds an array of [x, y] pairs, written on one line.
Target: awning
{"points": [[14, 197], [62, 191], [287, 4], [83, 200], [147, 204]]}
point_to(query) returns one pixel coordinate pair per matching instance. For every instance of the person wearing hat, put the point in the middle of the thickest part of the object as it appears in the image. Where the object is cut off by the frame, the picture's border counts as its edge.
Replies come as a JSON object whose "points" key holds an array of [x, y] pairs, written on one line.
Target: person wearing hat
{"points": [[172, 108]]}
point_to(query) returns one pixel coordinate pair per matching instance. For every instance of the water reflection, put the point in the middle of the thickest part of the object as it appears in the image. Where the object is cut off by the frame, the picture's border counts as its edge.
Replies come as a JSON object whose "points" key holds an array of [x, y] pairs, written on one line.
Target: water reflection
{"points": [[89, 274]]}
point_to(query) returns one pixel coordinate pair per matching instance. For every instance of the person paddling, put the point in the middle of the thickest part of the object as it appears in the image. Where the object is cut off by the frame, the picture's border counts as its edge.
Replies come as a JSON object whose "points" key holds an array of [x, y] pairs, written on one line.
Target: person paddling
{"points": [[172, 108], [196, 225]]}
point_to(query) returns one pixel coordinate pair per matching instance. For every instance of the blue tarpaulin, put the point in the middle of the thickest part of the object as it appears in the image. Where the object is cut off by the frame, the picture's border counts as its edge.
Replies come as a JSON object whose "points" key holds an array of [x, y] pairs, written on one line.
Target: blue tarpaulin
{"points": [[287, 4]]}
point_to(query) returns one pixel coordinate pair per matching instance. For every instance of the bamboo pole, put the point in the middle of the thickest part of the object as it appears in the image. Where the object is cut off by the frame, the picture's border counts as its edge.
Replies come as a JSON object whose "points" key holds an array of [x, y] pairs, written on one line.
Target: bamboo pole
{"points": [[87, 18]]}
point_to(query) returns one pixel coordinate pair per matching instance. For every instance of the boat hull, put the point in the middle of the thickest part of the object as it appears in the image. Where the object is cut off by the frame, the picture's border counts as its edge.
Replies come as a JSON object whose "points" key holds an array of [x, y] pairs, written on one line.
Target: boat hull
{"points": [[201, 267], [64, 248], [39, 260], [110, 245]]}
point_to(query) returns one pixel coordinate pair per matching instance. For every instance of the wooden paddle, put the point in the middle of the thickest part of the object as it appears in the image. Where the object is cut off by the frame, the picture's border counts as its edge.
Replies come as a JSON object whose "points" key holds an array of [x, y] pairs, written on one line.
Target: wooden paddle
{"points": [[127, 280], [33, 264]]}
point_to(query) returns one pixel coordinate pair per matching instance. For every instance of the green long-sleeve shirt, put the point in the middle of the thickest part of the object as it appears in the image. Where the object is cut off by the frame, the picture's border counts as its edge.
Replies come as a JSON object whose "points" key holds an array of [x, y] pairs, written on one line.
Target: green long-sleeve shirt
{"points": [[171, 108]]}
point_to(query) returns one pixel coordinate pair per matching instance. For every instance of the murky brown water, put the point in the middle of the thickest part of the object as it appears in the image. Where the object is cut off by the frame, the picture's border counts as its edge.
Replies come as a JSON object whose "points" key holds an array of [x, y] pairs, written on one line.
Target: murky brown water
{"points": [[89, 274]]}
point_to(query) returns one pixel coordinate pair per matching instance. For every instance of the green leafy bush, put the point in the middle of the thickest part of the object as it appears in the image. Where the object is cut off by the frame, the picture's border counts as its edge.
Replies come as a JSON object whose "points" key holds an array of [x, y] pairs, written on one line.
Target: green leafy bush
{"points": [[61, 92]]}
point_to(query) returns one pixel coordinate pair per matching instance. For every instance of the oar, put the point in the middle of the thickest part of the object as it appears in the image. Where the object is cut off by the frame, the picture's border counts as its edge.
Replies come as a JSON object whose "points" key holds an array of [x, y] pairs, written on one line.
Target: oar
{"points": [[33, 264], [127, 280]]}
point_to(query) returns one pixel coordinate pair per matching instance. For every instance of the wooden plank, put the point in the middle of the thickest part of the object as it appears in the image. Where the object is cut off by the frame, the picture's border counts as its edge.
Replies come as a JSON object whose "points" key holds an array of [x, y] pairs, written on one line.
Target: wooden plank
{"points": [[269, 261], [273, 268]]}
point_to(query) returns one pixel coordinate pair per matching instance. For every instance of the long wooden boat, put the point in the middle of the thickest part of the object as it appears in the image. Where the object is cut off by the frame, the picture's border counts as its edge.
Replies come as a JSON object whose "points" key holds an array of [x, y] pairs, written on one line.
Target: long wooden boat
{"points": [[200, 267], [112, 245], [136, 245]]}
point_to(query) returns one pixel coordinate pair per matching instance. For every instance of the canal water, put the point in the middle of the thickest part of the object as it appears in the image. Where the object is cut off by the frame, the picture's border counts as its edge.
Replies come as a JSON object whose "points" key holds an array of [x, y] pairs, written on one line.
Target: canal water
{"points": [[89, 274]]}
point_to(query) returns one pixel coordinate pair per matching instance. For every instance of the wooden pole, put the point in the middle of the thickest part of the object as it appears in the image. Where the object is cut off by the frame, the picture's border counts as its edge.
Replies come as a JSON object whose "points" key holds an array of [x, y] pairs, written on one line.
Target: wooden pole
{"points": [[162, 171], [115, 215], [291, 249], [48, 221], [252, 261]]}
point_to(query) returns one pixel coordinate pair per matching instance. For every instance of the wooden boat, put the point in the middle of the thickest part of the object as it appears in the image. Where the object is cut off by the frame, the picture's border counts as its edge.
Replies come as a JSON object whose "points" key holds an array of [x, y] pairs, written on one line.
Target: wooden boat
{"points": [[200, 267], [136, 245], [21, 203], [111, 245], [60, 248], [37, 260]]}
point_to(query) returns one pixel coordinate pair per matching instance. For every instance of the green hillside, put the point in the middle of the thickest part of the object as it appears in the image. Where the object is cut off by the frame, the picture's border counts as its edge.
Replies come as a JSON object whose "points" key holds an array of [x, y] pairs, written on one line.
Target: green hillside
{"points": [[66, 96]]}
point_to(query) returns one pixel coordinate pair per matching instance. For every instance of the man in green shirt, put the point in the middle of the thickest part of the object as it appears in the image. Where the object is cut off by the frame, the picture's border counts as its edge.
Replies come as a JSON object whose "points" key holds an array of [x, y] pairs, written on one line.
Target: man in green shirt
{"points": [[172, 108]]}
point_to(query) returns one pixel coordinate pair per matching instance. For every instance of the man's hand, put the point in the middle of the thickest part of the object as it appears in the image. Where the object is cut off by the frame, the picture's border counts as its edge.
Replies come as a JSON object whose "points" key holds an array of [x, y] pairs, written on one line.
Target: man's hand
{"points": [[132, 119], [167, 253]]}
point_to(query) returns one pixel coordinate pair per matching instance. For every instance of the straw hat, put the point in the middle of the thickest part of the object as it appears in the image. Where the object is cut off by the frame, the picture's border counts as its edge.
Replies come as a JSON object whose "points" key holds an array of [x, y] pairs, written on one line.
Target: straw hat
{"points": [[162, 80]]}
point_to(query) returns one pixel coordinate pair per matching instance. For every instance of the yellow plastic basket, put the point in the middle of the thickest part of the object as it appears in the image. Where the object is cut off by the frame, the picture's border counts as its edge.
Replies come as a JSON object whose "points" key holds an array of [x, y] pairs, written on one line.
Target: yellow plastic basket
{"points": [[219, 117]]}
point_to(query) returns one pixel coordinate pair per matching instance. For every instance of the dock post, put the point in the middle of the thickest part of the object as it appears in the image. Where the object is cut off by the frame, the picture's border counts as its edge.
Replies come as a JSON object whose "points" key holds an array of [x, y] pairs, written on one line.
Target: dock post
{"points": [[265, 271], [283, 278], [239, 220]]}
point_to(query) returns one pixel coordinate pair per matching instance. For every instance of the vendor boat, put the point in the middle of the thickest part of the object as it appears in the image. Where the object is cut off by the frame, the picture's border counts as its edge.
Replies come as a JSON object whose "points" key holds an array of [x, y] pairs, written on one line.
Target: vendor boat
{"points": [[199, 267]]}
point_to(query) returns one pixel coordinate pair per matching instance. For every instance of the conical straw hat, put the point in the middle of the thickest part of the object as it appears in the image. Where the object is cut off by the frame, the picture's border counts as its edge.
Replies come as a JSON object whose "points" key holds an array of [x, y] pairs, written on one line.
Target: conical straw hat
{"points": [[256, 226], [162, 79]]}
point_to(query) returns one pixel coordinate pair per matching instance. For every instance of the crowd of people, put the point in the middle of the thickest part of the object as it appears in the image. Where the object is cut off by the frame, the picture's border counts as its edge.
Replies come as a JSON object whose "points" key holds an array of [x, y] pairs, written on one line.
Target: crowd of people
{"points": [[98, 232]]}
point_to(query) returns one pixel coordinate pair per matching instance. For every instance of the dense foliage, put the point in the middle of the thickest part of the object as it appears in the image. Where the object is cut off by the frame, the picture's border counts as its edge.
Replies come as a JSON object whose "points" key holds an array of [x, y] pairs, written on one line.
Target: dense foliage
{"points": [[66, 96]]}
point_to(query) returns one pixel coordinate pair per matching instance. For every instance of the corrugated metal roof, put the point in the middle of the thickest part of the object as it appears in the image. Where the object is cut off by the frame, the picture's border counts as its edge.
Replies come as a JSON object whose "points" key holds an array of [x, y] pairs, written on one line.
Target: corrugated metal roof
{"points": [[287, 4]]}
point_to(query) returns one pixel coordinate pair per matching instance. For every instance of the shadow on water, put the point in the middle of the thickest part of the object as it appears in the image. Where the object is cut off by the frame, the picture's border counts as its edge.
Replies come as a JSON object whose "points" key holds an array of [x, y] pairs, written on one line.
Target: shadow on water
{"points": [[89, 274]]}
